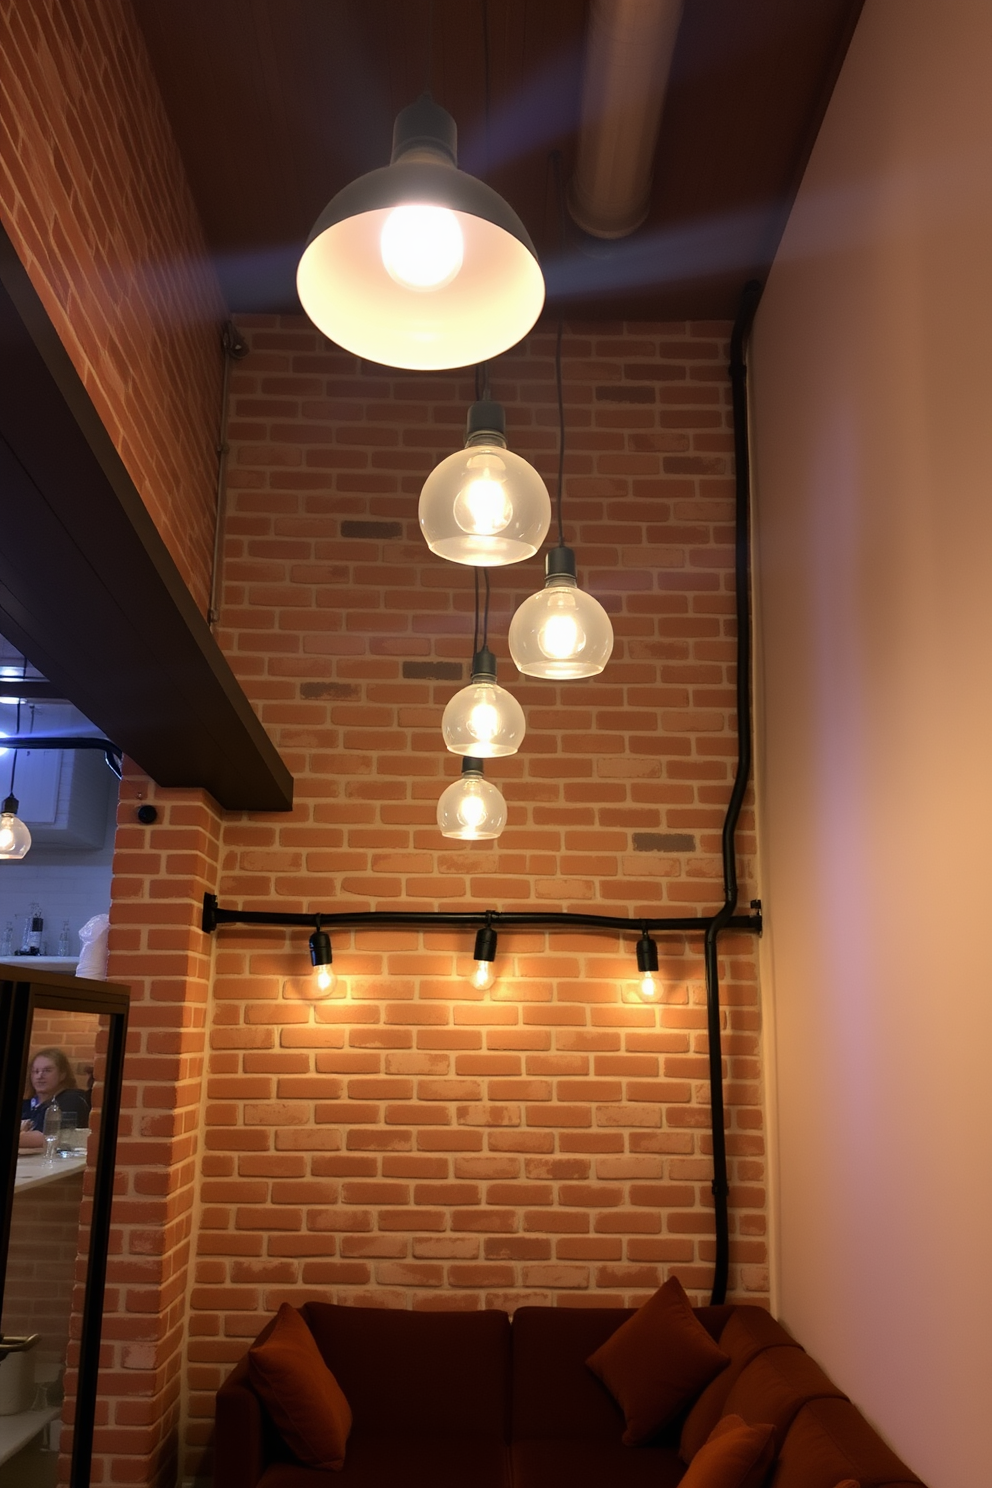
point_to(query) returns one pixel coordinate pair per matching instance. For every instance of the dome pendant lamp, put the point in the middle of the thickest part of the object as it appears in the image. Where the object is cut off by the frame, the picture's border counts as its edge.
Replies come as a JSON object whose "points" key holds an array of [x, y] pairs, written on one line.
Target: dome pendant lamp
{"points": [[484, 506], [483, 720], [419, 265], [561, 632], [471, 808]]}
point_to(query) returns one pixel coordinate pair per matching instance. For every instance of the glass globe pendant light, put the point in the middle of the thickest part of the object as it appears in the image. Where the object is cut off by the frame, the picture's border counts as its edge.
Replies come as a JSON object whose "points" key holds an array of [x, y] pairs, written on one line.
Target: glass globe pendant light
{"points": [[471, 808], [484, 505], [418, 264], [561, 632], [15, 839], [483, 720]]}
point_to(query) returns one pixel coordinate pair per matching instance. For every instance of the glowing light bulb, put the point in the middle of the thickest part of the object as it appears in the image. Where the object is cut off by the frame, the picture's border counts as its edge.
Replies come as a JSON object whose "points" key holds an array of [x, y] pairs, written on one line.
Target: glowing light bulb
{"points": [[483, 975], [422, 247], [325, 979], [483, 721], [560, 637], [471, 810], [483, 507], [648, 987], [6, 834]]}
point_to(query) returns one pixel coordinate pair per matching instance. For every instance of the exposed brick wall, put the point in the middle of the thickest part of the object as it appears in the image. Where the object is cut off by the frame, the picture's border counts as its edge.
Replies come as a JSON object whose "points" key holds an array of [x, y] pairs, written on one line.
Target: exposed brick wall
{"points": [[413, 1143], [157, 949], [94, 197]]}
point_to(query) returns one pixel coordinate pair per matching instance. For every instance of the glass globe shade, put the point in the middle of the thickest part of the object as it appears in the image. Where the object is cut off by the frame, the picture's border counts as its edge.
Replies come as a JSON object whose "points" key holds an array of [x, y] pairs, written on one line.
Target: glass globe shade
{"points": [[483, 720], [561, 632], [422, 247], [484, 506], [471, 808], [15, 839]]}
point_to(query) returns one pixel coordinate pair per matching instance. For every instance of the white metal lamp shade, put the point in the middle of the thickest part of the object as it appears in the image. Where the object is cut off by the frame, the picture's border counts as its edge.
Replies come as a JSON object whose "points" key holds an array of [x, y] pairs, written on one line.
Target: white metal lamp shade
{"points": [[484, 505], [561, 632], [15, 839], [471, 808], [483, 720], [418, 264]]}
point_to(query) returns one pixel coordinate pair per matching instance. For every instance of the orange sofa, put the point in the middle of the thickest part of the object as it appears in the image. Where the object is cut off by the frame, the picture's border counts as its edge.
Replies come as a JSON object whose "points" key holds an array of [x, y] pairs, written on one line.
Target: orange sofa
{"points": [[480, 1400]]}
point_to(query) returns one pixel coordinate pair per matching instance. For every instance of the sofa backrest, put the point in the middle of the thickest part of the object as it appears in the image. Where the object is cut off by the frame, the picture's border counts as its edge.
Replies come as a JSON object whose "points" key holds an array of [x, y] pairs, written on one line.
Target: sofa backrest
{"points": [[554, 1394], [418, 1373], [830, 1440], [748, 1332]]}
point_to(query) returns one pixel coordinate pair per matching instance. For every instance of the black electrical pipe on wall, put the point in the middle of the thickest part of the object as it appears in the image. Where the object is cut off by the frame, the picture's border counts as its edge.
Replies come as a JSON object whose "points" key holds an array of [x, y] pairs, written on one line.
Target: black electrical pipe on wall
{"points": [[724, 917], [709, 926]]}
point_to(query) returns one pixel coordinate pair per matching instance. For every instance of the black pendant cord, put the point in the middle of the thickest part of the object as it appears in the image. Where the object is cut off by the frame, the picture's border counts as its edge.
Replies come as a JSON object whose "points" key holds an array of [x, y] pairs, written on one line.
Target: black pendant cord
{"points": [[561, 435], [726, 915]]}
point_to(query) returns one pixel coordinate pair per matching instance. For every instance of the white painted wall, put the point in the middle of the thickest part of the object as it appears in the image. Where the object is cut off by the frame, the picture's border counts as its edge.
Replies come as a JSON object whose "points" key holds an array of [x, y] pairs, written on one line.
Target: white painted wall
{"points": [[872, 403]]}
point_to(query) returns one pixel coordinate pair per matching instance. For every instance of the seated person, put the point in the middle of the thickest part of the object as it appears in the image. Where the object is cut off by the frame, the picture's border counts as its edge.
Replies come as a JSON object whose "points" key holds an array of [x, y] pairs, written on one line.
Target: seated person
{"points": [[51, 1079]]}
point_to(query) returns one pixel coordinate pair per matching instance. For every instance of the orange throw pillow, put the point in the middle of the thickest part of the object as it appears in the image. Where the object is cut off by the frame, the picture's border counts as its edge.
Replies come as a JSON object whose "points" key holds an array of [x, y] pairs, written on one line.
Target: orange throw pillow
{"points": [[735, 1455], [300, 1393], [657, 1361]]}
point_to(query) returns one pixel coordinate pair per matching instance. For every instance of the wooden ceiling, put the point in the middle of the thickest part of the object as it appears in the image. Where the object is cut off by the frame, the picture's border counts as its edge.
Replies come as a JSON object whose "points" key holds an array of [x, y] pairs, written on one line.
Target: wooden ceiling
{"points": [[277, 104]]}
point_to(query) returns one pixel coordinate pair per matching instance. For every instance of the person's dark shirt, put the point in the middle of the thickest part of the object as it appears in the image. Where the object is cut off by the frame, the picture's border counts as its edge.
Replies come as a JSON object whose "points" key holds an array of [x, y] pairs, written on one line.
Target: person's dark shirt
{"points": [[71, 1102]]}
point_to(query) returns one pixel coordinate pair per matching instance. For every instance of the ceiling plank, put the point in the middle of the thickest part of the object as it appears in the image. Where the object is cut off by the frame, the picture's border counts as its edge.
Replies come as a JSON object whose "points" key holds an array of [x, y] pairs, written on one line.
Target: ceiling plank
{"points": [[88, 590]]}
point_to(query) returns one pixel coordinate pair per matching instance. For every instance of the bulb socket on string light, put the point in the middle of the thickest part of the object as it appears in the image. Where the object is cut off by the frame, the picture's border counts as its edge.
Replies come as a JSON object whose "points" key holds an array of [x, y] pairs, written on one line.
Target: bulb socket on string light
{"points": [[484, 505], [418, 264], [483, 720], [324, 977], [471, 808], [561, 632], [15, 839], [648, 984], [484, 957]]}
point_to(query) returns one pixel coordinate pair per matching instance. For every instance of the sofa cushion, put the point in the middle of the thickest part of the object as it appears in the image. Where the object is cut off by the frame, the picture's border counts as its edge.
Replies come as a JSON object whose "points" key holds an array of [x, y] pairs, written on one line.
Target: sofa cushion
{"points": [[747, 1332], [418, 1373], [657, 1361], [734, 1456], [591, 1462], [830, 1440], [300, 1393], [775, 1386], [407, 1462]]}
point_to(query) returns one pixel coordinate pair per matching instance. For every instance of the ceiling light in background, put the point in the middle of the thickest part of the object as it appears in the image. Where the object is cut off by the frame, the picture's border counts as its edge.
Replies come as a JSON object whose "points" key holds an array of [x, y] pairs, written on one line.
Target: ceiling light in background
{"points": [[484, 969], [484, 505], [419, 265], [648, 983], [324, 979], [482, 719], [15, 839], [561, 632], [471, 808]]}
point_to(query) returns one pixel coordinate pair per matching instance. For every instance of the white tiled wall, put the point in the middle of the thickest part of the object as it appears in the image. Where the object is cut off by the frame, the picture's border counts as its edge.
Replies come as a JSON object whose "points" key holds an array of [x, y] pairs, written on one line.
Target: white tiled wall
{"points": [[68, 885]]}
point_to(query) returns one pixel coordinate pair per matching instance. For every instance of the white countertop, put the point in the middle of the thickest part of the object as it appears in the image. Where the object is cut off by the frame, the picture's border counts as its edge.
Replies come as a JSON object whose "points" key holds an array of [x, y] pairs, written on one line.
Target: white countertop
{"points": [[34, 1169], [17, 1431]]}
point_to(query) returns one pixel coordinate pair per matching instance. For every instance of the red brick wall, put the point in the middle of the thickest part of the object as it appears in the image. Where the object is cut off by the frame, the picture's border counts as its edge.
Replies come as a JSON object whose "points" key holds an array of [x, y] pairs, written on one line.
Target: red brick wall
{"points": [[157, 949], [412, 1143], [93, 195]]}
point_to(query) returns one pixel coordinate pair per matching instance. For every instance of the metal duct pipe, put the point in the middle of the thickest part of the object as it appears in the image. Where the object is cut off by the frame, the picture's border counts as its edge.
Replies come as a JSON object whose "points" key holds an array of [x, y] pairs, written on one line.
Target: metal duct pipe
{"points": [[629, 48]]}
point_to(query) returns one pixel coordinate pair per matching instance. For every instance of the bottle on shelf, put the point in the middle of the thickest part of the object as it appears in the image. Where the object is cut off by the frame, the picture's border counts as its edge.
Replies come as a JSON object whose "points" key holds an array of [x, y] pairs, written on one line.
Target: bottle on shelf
{"points": [[64, 939], [7, 942], [37, 931]]}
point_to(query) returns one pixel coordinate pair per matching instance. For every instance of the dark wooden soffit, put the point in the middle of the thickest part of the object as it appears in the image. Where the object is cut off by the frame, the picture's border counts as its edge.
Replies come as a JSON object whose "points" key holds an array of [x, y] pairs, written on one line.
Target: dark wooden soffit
{"points": [[277, 104], [88, 590]]}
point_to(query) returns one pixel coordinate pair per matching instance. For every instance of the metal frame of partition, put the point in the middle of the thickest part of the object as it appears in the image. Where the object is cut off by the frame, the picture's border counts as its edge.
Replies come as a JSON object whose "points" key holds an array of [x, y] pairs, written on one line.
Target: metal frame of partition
{"points": [[19, 996]]}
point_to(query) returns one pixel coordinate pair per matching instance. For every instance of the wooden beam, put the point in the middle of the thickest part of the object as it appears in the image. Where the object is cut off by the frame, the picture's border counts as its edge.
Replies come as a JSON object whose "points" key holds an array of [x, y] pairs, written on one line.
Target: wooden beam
{"points": [[89, 591]]}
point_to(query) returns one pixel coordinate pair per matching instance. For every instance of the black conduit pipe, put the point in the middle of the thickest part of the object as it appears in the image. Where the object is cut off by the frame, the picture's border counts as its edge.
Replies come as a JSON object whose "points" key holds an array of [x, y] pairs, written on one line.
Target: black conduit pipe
{"points": [[725, 915]]}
